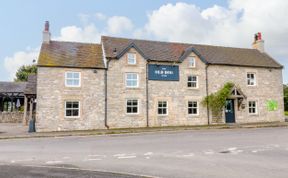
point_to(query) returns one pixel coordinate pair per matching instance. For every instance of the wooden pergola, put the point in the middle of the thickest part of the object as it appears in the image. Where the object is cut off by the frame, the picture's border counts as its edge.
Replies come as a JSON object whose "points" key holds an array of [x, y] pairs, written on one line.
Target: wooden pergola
{"points": [[11, 94]]}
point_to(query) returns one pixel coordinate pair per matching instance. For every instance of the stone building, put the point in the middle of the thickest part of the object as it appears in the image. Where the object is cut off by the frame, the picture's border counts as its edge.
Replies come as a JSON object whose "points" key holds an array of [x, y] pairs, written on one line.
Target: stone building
{"points": [[124, 83]]}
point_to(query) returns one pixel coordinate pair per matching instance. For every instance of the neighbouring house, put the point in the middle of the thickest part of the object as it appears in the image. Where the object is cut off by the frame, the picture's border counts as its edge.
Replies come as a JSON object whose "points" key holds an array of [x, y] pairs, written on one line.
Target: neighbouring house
{"points": [[15, 99], [124, 83]]}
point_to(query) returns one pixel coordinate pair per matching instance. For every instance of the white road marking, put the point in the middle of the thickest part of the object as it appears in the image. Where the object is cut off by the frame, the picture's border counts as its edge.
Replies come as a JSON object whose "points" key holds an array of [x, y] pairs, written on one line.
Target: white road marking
{"points": [[209, 152], [126, 157], [148, 154], [66, 157], [21, 160], [94, 159], [147, 157], [54, 162], [232, 148], [117, 155], [189, 155], [103, 156]]}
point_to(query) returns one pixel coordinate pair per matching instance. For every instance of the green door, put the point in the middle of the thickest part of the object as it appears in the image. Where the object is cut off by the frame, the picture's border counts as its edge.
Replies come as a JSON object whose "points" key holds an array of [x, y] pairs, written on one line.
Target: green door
{"points": [[229, 111]]}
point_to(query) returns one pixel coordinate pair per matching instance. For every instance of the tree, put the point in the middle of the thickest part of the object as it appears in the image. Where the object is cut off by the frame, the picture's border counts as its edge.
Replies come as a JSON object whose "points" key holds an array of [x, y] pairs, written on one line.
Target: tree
{"points": [[285, 91], [23, 72]]}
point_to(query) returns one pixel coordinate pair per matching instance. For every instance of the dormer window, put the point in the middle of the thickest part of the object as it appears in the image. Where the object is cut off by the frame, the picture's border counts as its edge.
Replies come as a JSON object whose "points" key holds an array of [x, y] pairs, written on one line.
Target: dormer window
{"points": [[191, 61], [131, 58]]}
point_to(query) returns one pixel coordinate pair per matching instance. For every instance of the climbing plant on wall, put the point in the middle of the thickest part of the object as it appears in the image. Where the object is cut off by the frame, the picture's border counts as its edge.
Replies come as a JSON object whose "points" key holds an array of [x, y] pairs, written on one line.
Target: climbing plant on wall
{"points": [[216, 101]]}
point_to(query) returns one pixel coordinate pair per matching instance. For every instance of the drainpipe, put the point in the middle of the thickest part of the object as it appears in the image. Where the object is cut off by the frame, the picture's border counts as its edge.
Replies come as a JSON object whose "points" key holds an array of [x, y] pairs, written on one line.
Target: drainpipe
{"points": [[106, 93], [147, 96], [207, 93]]}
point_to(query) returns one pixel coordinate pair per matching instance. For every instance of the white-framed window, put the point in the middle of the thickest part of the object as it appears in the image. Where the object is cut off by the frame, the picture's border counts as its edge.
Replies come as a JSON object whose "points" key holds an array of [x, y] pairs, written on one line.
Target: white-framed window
{"points": [[252, 107], [132, 80], [191, 61], [193, 108], [131, 57], [251, 79], [72, 109], [192, 81], [162, 108], [72, 79], [132, 106]]}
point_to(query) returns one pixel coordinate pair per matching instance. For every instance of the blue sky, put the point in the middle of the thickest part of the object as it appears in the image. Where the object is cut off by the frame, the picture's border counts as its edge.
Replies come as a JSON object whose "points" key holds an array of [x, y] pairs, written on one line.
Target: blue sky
{"points": [[219, 22]]}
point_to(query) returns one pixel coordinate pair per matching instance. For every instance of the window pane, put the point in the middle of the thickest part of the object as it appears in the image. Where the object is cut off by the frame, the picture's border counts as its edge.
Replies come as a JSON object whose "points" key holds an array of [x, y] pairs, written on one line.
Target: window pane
{"points": [[68, 105], [75, 105], [76, 75], [75, 112], [135, 109], [76, 82], [69, 75], [68, 113], [69, 82]]}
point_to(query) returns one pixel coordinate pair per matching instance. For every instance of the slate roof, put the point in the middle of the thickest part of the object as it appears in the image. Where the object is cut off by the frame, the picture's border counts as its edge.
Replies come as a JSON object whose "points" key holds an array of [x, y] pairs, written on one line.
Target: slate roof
{"points": [[174, 52], [71, 54], [12, 87], [31, 86]]}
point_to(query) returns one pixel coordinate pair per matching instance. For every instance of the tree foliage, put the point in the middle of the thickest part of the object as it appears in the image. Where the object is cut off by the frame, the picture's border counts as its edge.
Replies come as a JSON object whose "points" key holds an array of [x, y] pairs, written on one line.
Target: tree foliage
{"points": [[216, 101], [285, 91], [23, 72]]}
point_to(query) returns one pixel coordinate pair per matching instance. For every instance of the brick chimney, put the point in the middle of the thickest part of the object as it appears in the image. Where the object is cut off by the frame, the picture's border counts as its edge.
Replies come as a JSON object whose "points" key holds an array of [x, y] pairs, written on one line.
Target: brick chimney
{"points": [[46, 33], [258, 42]]}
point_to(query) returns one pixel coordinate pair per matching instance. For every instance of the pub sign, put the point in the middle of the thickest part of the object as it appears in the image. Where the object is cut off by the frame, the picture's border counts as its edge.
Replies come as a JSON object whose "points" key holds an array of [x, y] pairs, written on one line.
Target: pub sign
{"points": [[163, 72]]}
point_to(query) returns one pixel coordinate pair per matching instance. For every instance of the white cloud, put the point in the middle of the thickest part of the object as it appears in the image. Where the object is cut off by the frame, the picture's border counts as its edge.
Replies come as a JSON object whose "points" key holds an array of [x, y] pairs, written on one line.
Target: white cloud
{"points": [[12, 63], [88, 33], [100, 16], [230, 26], [119, 24]]}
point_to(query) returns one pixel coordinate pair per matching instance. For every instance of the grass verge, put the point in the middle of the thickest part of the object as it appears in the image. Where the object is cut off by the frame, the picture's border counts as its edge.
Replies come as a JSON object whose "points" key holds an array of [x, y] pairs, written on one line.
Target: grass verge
{"points": [[286, 113]]}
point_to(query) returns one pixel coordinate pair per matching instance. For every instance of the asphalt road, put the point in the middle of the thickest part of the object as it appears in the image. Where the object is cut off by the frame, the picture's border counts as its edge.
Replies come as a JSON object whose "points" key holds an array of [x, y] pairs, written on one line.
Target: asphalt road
{"points": [[257, 153]]}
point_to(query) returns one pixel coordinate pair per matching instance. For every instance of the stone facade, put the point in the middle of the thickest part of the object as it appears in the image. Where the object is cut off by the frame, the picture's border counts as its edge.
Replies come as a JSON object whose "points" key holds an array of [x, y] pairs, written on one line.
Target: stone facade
{"points": [[11, 117], [52, 94], [269, 86]]}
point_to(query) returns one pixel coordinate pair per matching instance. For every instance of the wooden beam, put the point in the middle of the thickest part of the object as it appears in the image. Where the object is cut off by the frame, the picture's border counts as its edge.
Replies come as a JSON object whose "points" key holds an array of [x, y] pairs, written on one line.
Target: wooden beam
{"points": [[25, 111]]}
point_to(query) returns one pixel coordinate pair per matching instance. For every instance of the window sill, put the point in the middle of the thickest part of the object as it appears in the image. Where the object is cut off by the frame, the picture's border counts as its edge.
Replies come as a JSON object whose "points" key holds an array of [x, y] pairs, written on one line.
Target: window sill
{"points": [[132, 114], [71, 118], [162, 115], [255, 115], [193, 115], [191, 88]]}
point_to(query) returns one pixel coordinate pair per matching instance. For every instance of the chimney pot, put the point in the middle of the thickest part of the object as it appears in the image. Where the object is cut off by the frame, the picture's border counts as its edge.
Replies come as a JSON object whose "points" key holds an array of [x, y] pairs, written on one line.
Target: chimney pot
{"points": [[46, 33], [258, 42], [46, 27]]}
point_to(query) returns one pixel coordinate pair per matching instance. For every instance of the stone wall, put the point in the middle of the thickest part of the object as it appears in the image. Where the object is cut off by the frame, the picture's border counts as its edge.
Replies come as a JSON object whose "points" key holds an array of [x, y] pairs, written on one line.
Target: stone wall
{"points": [[11, 117], [52, 94], [269, 86], [176, 93]]}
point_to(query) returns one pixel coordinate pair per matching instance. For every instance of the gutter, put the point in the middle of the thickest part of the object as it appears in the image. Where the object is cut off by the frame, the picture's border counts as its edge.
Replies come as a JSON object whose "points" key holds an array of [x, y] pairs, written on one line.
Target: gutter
{"points": [[207, 93], [147, 95], [106, 93]]}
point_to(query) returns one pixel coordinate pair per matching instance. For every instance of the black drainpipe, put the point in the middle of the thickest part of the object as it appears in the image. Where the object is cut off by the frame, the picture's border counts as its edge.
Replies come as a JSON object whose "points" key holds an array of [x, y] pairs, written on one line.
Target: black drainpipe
{"points": [[106, 92], [207, 93], [147, 96]]}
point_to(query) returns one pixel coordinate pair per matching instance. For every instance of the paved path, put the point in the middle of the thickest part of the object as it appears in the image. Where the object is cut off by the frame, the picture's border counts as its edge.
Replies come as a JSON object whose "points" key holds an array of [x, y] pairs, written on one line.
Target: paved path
{"points": [[206, 153]]}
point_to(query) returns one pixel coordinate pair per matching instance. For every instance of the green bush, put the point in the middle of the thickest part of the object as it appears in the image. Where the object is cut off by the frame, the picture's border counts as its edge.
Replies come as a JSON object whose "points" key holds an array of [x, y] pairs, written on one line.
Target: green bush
{"points": [[216, 101]]}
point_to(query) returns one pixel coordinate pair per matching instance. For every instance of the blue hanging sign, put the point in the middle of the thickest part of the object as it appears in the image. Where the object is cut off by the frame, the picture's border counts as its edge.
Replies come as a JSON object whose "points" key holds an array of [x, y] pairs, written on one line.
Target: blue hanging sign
{"points": [[163, 72]]}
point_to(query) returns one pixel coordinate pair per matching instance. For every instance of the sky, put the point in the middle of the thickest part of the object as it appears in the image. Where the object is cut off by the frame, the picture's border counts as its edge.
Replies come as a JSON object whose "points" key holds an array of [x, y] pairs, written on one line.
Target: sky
{"points": [[220, 22]]}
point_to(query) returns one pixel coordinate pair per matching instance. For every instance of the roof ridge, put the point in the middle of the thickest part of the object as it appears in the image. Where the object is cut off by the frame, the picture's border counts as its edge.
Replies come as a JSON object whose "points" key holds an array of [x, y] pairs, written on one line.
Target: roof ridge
{"points": [[83, 43], [173, 42]]}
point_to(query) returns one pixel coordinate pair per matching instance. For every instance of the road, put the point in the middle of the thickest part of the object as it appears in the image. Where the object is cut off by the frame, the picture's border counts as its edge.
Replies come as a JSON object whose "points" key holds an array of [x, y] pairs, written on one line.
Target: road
{"points": [[204, 153]]}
